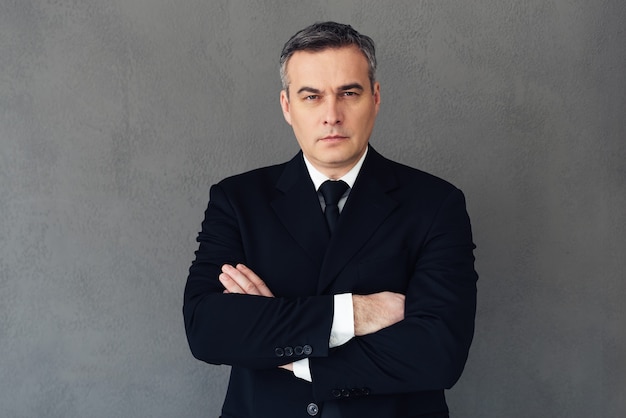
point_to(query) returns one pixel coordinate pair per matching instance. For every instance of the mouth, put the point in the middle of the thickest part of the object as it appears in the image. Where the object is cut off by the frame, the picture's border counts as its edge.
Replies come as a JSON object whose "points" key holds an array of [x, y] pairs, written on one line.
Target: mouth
{"points": [[333, 138]]}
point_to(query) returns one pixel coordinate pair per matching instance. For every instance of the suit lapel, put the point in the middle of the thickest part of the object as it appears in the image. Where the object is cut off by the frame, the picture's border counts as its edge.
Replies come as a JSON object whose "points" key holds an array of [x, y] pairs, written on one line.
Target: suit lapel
{"points": [[366, 208], [298, 208]]}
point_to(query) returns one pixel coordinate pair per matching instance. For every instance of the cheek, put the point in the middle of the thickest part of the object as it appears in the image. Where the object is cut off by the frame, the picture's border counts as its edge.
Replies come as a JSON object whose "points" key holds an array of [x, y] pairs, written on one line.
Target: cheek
{"points": [[369, 116], [302, 122], [301, 131], [297, 126]]}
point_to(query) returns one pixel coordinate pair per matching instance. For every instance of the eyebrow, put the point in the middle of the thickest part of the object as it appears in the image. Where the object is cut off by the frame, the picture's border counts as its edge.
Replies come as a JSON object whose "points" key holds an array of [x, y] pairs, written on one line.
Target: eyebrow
{"points": [[345, 87], [351, 86], [309, 90]]}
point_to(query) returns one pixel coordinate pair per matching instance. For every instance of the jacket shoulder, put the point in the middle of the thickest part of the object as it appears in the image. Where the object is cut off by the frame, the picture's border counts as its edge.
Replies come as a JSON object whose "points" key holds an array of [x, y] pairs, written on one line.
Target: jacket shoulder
{"points": [[261, 179], [413, 177]]}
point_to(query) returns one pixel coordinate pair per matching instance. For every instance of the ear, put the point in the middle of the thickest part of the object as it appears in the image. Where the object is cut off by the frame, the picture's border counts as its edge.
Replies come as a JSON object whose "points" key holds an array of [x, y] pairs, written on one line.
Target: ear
{"points": [[377, 96], [377, 93], [284, 104]]}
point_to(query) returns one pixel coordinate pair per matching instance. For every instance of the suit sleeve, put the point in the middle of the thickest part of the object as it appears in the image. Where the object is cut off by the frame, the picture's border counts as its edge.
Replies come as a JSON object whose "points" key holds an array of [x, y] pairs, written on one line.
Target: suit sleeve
{"points": [[245, 330], [429, 348]]}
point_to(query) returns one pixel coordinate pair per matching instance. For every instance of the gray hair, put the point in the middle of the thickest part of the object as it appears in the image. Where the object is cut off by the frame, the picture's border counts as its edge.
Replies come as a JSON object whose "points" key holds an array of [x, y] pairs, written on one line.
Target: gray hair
{"points": [[323, 35]]}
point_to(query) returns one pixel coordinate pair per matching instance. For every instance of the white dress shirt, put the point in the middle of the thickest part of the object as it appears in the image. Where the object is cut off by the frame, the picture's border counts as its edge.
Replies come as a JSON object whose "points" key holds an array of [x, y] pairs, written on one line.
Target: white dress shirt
{"points": [[342, 329]]}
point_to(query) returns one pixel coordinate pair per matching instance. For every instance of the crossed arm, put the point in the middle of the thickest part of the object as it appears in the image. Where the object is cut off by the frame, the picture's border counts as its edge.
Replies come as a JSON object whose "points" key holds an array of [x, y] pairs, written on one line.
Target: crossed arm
{"points": [[371, 312], [402, 344]]}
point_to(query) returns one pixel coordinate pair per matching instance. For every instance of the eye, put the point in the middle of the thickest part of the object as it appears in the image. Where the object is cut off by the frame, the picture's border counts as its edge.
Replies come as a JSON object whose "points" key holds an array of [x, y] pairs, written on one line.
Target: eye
{"points": [[349, 93], [311, 97]]}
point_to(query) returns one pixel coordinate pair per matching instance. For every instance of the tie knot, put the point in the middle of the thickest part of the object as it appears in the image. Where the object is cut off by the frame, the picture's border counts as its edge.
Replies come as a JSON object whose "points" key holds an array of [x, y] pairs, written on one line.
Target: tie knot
{"points": [[332, 191]]}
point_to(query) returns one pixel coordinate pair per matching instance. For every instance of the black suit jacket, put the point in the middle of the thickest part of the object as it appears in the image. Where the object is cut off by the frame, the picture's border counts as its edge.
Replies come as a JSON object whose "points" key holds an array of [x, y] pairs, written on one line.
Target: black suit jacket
{"points": [[401, 230]]}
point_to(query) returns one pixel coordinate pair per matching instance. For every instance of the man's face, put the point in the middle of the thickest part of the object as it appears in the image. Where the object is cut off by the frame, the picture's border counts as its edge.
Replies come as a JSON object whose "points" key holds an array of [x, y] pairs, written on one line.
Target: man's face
{"points": [[331, 106]]}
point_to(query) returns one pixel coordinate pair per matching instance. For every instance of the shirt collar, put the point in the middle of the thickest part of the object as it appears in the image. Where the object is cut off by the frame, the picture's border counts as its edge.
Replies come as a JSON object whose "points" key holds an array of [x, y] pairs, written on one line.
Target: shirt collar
{"points": [[350, 177]]}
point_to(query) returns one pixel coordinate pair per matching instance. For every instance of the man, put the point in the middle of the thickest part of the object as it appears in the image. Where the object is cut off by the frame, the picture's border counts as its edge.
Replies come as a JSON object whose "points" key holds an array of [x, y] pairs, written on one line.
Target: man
{"points": [[370, 314]]}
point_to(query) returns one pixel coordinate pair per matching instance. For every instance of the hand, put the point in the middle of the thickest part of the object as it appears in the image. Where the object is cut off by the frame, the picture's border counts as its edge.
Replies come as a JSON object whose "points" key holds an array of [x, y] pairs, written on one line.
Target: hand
{"points": [[376, 311], [244, 281], [241, 279], [287, 367]]}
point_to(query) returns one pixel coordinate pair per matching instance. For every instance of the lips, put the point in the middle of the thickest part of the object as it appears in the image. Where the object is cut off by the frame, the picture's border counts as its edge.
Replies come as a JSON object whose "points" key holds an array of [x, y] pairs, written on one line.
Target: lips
{"points": [[331, 138]]}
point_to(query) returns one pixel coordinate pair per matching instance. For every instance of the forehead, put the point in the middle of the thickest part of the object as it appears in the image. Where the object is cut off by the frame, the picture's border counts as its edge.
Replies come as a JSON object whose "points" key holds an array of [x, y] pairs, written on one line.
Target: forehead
{"points": [[330, 65]]}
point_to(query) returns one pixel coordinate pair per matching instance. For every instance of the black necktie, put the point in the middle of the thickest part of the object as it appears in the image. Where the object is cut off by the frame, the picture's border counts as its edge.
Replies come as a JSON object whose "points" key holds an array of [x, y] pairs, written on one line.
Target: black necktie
{"points": [[332, 192]]}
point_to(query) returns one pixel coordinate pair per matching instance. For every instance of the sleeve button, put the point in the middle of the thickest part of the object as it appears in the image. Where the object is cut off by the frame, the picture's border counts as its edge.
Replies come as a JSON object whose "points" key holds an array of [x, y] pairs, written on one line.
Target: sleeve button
{"points": [[312, 409]]}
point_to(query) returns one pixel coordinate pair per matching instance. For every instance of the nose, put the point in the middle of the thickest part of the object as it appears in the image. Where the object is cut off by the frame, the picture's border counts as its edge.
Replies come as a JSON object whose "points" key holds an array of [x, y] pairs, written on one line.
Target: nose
{"points": [[333, 114]]}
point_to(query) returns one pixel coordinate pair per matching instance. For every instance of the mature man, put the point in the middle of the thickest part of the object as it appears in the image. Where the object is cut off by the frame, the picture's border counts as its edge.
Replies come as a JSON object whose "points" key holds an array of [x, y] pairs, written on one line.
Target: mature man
{"points": [[338, 284]]}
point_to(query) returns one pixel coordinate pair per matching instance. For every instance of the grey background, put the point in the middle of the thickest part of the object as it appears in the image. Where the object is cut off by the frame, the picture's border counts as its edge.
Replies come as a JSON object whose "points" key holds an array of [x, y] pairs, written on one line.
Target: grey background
{"points": [[117, 115]]}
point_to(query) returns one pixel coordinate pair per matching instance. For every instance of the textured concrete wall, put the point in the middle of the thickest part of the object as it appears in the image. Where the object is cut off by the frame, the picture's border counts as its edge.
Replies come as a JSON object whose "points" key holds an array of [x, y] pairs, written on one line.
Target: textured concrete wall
{"points": [[116, 116]]}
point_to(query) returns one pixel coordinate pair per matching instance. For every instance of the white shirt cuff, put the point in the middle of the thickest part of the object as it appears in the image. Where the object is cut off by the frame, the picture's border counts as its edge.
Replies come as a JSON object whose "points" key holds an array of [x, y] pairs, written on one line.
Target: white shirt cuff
{"points": [[302, 370], [342, 329]]}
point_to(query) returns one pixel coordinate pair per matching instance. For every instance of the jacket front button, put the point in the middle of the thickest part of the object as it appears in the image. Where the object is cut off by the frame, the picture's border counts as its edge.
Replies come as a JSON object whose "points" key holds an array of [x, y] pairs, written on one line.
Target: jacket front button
{"points": [[312, 409]]}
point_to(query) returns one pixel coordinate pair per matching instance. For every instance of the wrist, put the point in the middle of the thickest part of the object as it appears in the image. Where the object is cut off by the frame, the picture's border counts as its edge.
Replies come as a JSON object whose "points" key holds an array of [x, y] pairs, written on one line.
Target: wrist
{"points": [[357, 305]]}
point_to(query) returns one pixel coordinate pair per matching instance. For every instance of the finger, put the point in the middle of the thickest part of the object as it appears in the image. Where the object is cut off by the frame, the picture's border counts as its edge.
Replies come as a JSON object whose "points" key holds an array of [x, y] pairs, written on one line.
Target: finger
{"points": [[254, 278], [287, 367], [243, 283], [229, 284]]}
